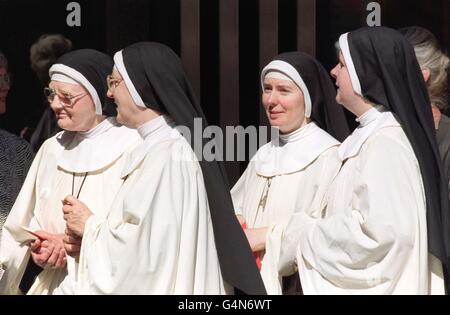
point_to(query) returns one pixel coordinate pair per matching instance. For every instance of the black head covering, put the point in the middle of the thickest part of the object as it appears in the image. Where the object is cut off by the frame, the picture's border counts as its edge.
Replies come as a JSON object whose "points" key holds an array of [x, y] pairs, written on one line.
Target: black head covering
{"points": [[325, 111], [89, 68], [389, 74], [157, 75]]}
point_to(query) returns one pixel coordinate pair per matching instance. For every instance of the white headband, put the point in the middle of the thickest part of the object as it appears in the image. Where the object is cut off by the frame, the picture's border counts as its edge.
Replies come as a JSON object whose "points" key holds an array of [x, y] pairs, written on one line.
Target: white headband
{"points": [[277, 75], [120, 66], [343, 43], [285, 69], [65, 74], [60, 77]]}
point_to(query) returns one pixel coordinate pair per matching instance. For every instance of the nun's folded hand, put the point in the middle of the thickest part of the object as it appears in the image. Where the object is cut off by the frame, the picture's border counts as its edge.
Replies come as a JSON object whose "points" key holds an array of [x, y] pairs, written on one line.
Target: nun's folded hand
{"points": [[72, 244], [48, 250], [256, 238], [76, 214]]}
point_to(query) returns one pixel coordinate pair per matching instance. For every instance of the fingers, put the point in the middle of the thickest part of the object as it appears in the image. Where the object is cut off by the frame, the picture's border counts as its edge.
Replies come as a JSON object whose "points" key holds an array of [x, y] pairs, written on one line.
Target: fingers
{"points": [[72, 239], [67, 209], [37, 260], [72, 249], [69, 232], [62, 260], [51, 262], [41, 257], [70, 200], [50, 253], [43, 235], [34, 246]]}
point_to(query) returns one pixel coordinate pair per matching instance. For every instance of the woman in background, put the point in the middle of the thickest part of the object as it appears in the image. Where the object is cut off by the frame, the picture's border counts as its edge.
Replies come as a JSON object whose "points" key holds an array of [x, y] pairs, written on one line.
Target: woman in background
{"points": [[435, 65]]}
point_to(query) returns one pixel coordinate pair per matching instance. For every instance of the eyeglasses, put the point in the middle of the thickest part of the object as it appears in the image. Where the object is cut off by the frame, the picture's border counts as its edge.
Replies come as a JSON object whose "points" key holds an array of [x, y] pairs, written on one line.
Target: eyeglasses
{"points": [[5, 80], [112, 82], [65, 99]]}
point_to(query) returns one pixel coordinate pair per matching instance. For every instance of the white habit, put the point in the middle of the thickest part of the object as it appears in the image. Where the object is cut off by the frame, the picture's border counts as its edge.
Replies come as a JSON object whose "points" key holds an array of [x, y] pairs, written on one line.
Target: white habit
{"points": [[372, 238], [285, 178], [158, 237], [99, 152]]}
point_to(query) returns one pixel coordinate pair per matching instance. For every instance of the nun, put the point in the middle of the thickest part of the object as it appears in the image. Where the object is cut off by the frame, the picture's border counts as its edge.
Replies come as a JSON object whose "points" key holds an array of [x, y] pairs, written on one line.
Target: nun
{"points": [[386, 226], [84, 160], [292, 173], [171, 228]]}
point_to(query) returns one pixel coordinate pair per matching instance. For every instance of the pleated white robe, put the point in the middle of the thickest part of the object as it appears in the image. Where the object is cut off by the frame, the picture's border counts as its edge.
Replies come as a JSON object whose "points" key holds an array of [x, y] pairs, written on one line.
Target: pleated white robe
{"points": [[373, 236], [39, 206], [300, 171], [158, 237]]}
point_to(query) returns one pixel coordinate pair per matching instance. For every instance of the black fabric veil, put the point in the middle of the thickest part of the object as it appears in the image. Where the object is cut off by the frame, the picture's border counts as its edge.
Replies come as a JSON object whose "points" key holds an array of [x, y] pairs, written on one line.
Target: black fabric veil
{"points": [[90, 68], [389, 74], [158, 77]]}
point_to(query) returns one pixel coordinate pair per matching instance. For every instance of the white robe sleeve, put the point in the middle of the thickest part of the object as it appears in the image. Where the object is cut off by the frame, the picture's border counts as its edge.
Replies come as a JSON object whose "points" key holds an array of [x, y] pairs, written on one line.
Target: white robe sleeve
{"points": [[282, 238], [238, 192], [365, 248], [158, 238]]}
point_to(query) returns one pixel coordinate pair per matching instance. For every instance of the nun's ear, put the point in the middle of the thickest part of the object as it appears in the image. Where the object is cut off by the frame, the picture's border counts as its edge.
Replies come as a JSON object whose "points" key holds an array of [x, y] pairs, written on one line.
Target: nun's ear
{"points": [[426, 74]]}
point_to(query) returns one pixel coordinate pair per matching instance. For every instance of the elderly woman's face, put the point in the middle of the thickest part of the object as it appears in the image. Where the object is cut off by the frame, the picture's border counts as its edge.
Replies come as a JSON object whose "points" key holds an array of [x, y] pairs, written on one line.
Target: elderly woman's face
{"points": [[73, 107], [127, 111], [4, 88], [284, 104]]}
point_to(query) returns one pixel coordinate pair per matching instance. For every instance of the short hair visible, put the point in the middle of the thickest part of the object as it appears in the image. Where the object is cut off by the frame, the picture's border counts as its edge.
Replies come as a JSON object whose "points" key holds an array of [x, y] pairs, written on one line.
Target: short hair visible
{"points": [[44, 53], [430, 55], [3, 61]]}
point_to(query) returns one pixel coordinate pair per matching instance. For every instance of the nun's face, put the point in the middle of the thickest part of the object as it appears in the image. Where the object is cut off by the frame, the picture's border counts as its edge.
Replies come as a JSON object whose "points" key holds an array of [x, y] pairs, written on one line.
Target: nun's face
{"points": [[4, 88], [284, 104], [345, 94], [127, 111], [73, 107]]}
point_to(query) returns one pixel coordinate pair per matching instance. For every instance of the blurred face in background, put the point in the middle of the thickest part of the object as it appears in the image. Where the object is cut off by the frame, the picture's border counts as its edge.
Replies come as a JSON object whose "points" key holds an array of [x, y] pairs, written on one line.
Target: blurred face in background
{"points": [[4, 88]]}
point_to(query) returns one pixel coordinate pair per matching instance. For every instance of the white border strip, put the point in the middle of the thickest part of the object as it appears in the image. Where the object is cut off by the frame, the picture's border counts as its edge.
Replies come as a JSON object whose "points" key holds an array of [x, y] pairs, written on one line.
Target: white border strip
{"points": [[81, 79], [292, 73], [60, 77], [118, 61], [343, 43]]}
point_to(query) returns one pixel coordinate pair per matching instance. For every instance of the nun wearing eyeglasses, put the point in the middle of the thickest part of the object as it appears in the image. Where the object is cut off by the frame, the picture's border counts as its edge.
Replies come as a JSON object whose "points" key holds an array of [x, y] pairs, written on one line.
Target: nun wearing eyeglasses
{"points": [[386, 226], [291, 174], [171, 229], [84, 161]]}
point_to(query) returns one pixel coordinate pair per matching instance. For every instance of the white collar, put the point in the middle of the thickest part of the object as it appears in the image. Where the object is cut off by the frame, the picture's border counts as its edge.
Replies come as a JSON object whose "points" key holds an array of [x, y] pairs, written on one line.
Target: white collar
{"points": [[292, 152], [95, 149], [152, 132], [370, 122]]}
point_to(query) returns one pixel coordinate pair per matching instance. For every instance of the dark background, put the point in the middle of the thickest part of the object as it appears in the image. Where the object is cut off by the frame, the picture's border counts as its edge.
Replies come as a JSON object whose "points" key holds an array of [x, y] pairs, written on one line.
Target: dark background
{"points": [[109, 25]]}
